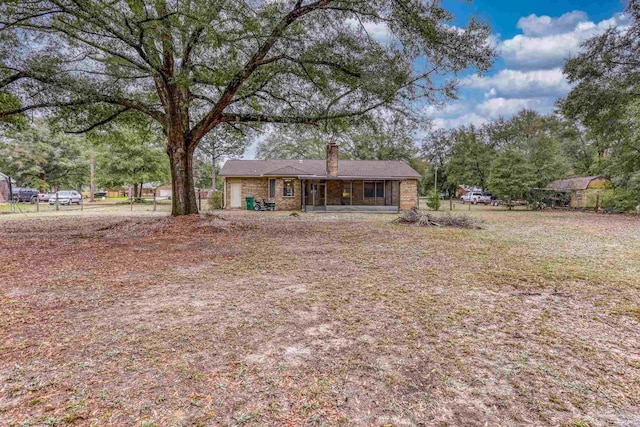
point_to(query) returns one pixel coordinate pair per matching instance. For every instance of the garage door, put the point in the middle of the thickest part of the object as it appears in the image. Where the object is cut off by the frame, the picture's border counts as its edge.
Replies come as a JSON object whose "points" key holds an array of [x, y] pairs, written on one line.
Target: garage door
{"points": [[165, 193]]}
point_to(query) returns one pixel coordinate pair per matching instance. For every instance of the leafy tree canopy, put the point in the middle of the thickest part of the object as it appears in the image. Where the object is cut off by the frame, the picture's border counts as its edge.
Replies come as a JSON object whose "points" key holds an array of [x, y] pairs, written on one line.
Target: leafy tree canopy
{"points": [[606, 74], [510, 175], [128, 155], [470, 159], [193, 66], [372, 137], [38, 157]]}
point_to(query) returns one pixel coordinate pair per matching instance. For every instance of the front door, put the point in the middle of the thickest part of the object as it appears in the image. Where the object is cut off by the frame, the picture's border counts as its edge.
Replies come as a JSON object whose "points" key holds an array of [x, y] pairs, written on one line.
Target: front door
{"points": [[236, 192]]}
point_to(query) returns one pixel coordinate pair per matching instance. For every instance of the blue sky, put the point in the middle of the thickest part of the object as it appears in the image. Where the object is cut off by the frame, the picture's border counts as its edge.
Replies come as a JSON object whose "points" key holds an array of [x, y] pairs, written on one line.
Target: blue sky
{"points": [[533, 39]]}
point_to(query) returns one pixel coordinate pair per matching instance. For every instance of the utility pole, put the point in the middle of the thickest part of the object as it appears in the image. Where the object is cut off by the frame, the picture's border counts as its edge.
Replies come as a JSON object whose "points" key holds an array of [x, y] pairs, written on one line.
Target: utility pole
{"points": [[435, 187], [92, 168]]}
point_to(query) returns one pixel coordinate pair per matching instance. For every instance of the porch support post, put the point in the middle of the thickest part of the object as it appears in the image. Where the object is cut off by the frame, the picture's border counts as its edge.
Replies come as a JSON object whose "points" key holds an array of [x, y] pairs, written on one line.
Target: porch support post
{"points": [[304, 195], [351, 194], [325, 194]]}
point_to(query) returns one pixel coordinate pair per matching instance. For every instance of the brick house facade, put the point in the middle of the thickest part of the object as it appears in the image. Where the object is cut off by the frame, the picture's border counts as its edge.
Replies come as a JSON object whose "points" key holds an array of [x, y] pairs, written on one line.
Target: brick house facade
{"points": [[322, 185]]}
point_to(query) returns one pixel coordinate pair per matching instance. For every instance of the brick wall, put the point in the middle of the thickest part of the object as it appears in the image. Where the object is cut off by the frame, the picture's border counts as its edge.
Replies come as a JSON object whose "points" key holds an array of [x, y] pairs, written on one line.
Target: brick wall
{"points": [[334, 192], [259, 188], [408, 194], [288, 203], [404, 192], [332, 159]]}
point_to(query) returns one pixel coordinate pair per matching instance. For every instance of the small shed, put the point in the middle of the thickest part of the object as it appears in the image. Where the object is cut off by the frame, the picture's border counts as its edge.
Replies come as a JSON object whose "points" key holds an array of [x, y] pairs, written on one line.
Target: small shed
{"points": [[586, 191], [4, 188]]}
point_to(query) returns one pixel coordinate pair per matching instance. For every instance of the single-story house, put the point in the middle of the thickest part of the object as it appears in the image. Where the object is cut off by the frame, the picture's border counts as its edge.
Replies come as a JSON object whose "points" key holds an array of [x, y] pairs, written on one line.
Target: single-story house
{"points": [[585, 191], [164, 190], [4, 188], [148, 188], [322, 185]]}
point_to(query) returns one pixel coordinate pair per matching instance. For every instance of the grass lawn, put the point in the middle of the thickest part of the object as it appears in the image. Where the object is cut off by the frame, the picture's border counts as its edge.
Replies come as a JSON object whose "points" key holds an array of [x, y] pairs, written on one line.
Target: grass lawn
{"points": [[337, 320]]}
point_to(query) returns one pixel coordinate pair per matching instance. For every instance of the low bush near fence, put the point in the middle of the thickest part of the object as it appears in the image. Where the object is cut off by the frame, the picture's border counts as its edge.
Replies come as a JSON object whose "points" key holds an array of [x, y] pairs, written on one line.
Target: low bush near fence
{"points": [[215, 201]]}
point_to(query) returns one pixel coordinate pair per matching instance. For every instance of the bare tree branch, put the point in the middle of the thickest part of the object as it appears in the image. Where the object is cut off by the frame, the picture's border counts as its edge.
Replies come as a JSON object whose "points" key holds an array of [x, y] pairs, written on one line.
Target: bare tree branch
{"points": [[100, 123]]}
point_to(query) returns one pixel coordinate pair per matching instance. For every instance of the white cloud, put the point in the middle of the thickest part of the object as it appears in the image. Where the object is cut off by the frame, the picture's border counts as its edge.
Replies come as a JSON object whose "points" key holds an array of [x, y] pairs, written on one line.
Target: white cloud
{"points": [[520, 84], [446, 110], [454, 122], [377, 31], [547, 42], [491, 93], [496, 107], [544, 25]]}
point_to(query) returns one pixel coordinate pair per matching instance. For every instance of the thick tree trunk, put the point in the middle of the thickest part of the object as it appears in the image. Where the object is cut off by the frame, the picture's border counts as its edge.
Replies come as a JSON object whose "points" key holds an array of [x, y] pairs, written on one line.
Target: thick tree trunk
{"points": [[183, 200]]}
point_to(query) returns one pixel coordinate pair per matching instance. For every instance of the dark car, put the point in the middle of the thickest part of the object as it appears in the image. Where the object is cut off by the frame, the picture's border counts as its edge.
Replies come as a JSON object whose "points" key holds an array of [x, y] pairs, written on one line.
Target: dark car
{"points": [[25, 195], [99, 193]]}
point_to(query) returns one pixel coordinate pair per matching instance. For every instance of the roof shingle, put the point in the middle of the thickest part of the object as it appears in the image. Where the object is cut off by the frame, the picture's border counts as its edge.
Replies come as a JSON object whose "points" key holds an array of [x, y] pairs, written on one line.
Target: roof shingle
{"points": [[373, 169]]}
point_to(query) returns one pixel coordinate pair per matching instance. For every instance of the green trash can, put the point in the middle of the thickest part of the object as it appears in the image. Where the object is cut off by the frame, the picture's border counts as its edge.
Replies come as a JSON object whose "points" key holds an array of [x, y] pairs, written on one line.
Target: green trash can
{"points": [[249, 202]]}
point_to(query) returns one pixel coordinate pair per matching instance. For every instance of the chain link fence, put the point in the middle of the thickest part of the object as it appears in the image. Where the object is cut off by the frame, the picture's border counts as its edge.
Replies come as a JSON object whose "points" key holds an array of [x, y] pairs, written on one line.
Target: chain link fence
{"points": [[120, 205]]}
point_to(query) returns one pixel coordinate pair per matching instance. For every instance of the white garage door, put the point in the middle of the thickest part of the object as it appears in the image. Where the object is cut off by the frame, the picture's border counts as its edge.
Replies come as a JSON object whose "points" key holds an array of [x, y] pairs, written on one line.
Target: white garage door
{"points": [[165, 193]]}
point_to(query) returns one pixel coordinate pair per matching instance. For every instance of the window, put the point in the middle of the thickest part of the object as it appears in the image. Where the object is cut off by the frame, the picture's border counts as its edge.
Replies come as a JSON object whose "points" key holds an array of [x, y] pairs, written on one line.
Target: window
{"points": [[272, 188], [346, 190], [373, 189], [288, 188]]}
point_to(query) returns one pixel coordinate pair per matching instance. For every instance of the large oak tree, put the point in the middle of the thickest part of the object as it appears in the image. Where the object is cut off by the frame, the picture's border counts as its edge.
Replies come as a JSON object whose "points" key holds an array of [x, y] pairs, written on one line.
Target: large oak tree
{"points": [[195, 65]]}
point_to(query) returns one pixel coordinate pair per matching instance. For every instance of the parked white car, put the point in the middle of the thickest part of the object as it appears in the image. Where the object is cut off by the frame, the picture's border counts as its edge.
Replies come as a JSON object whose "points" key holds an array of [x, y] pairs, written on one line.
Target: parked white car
{"points": [[476, 197], [65, 198]]}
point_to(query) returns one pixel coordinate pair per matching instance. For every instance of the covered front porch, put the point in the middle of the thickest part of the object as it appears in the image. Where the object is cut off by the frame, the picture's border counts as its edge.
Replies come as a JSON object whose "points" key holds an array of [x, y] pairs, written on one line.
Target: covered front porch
{"points": [[350, 195]]}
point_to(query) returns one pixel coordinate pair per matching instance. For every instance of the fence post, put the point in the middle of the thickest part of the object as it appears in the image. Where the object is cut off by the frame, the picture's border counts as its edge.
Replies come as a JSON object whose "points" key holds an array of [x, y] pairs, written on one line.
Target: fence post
{"points": [[81, 202], [130, 200], [199, 201], [10, 195], [57, 204], [154, 200], [38, 203]]}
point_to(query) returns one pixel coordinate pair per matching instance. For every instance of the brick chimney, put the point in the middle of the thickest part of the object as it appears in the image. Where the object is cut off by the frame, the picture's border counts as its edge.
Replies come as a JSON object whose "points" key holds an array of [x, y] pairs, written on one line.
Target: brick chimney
{"points": [[332, 159]]}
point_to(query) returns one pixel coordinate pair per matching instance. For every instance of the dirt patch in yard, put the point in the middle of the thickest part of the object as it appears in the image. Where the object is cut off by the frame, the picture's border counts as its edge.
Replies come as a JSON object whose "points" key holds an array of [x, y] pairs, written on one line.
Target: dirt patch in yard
{"points": [[245, 319]]}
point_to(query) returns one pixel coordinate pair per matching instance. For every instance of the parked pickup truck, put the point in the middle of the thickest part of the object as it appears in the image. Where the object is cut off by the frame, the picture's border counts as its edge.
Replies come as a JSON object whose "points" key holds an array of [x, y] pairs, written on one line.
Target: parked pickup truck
{"points": [[476, 197], [25, 195]]}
